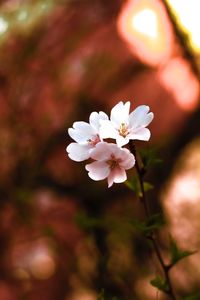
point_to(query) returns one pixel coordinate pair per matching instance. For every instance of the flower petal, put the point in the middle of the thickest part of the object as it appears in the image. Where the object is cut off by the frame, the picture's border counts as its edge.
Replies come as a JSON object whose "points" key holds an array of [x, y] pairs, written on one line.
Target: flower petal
{"points": [[121, 141], [140, 117], [120, 113], [107, 130], [77, 135], [78, 152], [120, 175], [128, 160], [102, 151], [95, 119], [83, 126], [117, 175], [98, 170], [81, 132], [142, 134]]}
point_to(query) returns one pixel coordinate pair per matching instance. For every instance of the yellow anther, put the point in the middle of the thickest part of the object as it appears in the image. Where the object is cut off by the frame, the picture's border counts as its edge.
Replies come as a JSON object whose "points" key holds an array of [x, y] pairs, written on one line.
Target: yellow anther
{"points": [[123, 131]]}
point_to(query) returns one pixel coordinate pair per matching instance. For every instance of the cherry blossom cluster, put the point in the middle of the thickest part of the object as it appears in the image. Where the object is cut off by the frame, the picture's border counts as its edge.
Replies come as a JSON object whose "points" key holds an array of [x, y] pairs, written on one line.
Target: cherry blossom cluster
{"points": [[110, 160]]}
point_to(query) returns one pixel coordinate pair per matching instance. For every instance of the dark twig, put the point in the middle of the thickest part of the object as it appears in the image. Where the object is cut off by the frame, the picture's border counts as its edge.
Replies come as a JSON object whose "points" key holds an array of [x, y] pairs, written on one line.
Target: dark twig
{"points": [[151, 236]]}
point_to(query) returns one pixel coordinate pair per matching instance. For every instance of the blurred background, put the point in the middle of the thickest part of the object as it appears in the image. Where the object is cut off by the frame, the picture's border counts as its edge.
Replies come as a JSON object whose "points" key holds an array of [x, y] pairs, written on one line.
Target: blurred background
{"points": [[62, 235]]}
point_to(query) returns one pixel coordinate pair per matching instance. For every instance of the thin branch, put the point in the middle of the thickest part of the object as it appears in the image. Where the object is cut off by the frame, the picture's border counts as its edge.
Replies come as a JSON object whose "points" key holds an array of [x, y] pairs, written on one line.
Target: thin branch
{"points": [[151, 237]]}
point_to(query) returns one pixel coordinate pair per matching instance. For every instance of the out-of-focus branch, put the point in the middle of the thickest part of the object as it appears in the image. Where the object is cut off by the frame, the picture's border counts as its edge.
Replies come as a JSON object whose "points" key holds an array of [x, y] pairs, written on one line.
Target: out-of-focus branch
{"points": [[182, 39]]}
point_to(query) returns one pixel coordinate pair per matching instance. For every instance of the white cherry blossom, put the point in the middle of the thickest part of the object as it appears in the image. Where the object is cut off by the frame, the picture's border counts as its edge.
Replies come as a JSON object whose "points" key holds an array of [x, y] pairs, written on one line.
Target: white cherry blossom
{"points": [[86, 136], [110, 162], [123, 126]]}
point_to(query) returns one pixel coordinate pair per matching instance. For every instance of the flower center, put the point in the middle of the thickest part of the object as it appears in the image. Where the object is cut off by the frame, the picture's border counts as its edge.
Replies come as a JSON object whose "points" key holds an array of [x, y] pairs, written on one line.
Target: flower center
{"points": [[123, 130], [94, 140], [113, 162]]}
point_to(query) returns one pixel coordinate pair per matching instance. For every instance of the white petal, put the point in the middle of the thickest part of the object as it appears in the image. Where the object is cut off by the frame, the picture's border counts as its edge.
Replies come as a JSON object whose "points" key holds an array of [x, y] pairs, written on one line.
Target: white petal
{"points": [[83, 126], [101, 152], [142, 134], [107, 130], [98, 170], [78, 152], [81, 132], [95, 119], [77, 135], [121, 141], [140, 116], [120, 113]]}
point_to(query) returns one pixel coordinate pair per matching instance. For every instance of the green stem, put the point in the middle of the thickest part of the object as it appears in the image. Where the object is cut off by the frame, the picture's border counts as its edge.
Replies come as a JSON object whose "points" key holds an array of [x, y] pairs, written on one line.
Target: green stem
{"points": [[151, 237]]}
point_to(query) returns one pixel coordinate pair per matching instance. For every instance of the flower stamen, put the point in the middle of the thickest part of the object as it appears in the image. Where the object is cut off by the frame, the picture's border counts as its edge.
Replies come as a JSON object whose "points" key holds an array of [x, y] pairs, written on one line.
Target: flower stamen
{"points": [[113, 162], [94, 140], [123, 130]]}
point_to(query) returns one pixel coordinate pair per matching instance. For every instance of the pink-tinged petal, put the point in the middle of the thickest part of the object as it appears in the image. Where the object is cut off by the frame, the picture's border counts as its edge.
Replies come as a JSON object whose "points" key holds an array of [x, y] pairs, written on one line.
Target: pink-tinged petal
{"points": [[114, 149], [120, 113], [111, 179], [98, 170], [116, 175], [124, 153], [107, 130], [78, 152], [95, 119], [101, 152], [120, 175], [140, 117], [128, 160], [121, 141], [142, 134]]}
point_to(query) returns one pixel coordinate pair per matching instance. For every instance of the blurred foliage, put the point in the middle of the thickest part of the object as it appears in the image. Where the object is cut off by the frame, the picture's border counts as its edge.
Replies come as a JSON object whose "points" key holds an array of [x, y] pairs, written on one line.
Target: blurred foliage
{"points": [[160, 283], [177, 254]]}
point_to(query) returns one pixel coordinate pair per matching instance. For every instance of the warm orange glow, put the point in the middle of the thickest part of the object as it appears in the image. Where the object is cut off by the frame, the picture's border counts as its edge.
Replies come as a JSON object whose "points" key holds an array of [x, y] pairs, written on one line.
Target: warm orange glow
{"points": [[42, 265], [178, 78], [144, 26], [187, 13], [84, 295], [181, 197]]}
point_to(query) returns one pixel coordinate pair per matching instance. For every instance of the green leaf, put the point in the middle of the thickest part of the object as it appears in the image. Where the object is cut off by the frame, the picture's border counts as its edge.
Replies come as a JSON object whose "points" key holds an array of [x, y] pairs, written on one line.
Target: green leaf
{"points": [[177, 254], [149, 157], [154, 222], [148, 186], [134, 185], [141, 226], [160, 283], [101, 295]]}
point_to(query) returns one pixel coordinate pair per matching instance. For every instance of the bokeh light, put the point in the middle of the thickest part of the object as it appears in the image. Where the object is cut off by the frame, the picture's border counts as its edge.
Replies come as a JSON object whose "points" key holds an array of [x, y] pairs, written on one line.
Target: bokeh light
{"points": [[144, 25], [3, 25], [178, 78], [181, 201]]}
